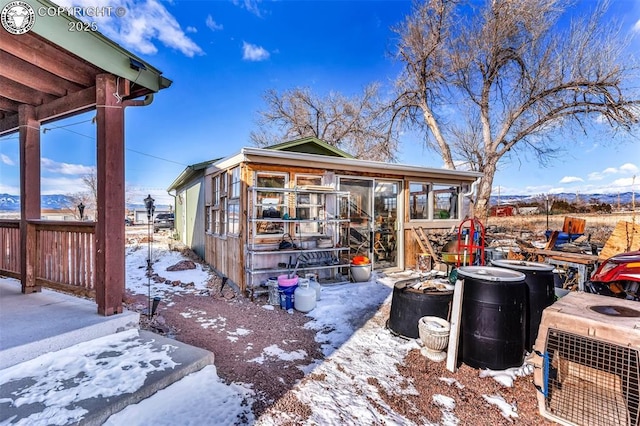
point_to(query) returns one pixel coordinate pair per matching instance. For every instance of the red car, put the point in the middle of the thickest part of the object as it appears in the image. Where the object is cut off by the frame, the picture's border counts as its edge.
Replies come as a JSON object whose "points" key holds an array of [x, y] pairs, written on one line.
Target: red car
{"points": [[618, 276]]}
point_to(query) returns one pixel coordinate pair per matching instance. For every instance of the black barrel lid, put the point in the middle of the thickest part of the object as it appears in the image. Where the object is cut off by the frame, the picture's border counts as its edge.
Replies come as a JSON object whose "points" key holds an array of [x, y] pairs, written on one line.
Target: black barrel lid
{"points": [[490, 273], [523, 265]]}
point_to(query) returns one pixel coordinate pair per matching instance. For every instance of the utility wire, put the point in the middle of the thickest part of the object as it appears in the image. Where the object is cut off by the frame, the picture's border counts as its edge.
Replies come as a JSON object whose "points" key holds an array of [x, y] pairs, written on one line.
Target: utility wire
{"points": [[93, 138]]}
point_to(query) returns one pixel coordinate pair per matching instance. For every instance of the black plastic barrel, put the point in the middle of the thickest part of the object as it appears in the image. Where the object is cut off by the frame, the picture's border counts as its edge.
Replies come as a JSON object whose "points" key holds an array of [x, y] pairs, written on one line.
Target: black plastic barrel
{"points": [[493, 317], [408, 305], [540, 293]]}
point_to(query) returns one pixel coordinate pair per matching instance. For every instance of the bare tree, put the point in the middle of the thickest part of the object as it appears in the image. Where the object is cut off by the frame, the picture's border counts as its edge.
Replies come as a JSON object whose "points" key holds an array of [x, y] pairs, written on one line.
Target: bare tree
{"points": [[90, 180], [506, 79], [361, 125]]}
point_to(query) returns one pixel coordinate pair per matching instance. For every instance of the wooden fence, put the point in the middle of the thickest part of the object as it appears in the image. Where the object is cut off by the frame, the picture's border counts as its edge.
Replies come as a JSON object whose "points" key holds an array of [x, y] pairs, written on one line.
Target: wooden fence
{"points": [[10, 248], [63, 256]]}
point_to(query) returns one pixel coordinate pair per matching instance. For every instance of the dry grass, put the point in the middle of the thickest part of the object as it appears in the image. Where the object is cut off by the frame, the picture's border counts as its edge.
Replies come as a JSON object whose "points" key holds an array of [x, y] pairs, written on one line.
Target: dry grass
{"points": [[598, 226]]}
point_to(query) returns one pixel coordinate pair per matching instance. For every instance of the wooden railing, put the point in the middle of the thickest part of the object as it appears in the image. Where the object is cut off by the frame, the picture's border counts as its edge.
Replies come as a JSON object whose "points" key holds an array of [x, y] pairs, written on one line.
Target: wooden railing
{"points": [[62, 253], [10, 248]]}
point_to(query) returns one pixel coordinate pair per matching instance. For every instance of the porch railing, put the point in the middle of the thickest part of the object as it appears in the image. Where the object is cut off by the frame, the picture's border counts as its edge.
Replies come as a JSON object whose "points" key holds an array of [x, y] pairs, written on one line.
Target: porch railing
{"points": [[64, 253], [10, 248]]}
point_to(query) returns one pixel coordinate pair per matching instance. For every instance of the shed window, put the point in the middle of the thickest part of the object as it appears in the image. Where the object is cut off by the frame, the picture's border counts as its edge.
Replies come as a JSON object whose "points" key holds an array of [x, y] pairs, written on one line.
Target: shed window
{"points": [[235, 183], [233, 216], [446, 202], [269, 204], [215, 217], [418, 200], [215, 191], [208, 225]]}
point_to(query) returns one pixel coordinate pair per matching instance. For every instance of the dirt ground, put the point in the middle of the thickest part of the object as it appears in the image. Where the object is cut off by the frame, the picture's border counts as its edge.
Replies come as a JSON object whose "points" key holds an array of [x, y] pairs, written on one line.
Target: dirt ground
{"points": [[212, 320]]}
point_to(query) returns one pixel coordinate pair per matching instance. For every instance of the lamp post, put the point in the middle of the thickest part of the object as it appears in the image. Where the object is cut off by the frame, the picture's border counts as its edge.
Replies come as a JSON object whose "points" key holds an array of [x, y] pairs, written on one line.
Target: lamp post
{"points": [[148, 203], [81, 210]]}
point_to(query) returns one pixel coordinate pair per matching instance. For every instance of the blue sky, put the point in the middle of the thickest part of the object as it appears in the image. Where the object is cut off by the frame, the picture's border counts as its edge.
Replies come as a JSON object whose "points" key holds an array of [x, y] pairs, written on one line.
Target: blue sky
{"points": [[223, 55]]}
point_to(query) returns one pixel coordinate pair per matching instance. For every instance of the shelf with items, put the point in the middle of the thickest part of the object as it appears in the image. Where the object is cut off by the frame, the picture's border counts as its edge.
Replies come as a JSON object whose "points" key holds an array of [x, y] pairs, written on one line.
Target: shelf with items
{"points": [[314, 220]]}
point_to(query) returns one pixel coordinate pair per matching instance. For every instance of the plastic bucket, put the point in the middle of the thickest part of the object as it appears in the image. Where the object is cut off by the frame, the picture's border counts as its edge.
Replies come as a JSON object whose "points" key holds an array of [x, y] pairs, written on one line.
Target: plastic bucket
{"points": [[408, 305], [361, 273], [285, 281], [493, 325], [540, 292], [287, 297]]}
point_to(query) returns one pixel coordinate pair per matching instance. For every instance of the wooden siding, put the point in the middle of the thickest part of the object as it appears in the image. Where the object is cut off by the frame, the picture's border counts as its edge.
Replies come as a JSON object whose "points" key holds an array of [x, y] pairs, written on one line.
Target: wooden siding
{"points": [[226, 256]]}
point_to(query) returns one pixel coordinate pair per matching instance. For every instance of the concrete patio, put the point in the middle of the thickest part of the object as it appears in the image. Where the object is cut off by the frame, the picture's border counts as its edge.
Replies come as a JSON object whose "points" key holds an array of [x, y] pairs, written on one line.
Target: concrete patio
{"points": [[39, 323]]}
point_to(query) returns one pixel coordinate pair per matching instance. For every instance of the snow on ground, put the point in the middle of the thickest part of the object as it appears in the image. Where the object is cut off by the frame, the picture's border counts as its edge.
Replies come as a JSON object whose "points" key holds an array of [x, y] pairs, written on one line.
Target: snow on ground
{"points": [[82, 372], [360, 360], [161, 259], [342, 388], [201, 398]]}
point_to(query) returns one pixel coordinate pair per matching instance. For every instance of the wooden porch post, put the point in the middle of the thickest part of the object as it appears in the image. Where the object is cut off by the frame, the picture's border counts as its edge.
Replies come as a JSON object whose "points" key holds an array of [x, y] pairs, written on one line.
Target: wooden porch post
{"points": [[110, 257], [29, 195]]}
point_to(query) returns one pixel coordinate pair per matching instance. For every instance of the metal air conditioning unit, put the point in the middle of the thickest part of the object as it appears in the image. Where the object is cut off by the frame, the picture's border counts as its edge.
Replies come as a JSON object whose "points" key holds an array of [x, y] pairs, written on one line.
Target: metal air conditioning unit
{"points": [[587, 359]]}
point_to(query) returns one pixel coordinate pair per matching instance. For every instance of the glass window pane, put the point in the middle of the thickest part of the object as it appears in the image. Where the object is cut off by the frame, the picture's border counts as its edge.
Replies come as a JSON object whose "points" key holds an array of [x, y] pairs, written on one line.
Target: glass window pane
{"points": [[446, 202], [418, 200]]}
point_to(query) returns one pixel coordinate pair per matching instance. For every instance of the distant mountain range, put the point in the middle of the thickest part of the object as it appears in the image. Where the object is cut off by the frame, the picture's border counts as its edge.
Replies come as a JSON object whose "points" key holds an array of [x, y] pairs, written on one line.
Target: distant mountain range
{"points": [[11, 203], [613, 199]]}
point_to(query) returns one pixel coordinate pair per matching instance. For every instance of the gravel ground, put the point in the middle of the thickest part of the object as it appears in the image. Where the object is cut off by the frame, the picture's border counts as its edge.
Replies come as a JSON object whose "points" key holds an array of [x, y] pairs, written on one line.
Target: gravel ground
{"points": [[238, 330]]}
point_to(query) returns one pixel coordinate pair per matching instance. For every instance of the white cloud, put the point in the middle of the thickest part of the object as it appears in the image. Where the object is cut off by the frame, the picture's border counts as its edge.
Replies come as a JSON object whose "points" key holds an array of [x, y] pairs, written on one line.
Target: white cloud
{"points": [[251, 52], [6, 160], [252, 6], [623, 183], [191, 29], [65, 168], [8, 189], [636, 27], [145, 22], [595, 176], [558, 190], [629, 168], [213, 26], [62, 185], [570, 179]]}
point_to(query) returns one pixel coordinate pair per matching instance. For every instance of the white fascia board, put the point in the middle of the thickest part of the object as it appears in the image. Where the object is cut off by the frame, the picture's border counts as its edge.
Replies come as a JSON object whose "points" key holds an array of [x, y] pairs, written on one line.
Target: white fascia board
{"points": [[259, 155]]}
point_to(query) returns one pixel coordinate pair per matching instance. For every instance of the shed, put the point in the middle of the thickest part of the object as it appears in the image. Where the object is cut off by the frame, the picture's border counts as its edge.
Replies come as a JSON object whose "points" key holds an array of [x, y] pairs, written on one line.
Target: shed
{"points": [[328, 204], [188, 192]]}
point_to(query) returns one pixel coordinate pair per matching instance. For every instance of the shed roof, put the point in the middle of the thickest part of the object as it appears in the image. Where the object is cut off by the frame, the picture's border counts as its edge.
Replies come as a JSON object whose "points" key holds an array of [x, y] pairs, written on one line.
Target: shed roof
{"points": [[350, 164], [189, 173]]}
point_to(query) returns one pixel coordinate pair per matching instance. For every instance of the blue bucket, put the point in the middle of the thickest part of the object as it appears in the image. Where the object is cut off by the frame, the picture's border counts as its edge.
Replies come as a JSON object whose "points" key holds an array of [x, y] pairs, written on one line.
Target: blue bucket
{"points": [[286, 296]]}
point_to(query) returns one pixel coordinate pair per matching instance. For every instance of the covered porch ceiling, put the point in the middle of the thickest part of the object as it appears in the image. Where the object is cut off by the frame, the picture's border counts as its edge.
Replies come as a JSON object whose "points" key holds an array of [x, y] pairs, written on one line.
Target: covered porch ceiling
{"points": [[54, 70]]}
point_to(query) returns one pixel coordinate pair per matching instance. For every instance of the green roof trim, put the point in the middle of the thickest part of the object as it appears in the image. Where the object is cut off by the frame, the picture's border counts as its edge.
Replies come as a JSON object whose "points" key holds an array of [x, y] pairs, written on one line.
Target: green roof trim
{"points": [[310, 145], [94, 47], [190, 172]]}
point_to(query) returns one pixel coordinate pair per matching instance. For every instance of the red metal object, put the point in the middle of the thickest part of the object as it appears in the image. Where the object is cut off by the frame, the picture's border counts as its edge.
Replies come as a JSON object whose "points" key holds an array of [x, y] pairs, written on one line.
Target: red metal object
{"points": [[471, 241]]}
